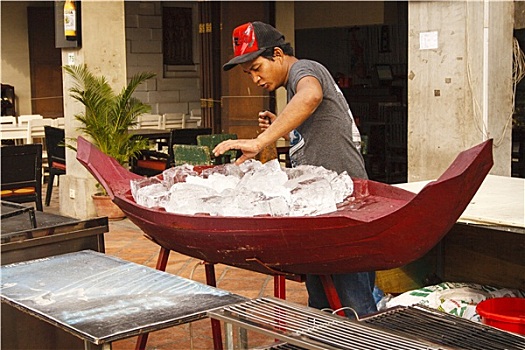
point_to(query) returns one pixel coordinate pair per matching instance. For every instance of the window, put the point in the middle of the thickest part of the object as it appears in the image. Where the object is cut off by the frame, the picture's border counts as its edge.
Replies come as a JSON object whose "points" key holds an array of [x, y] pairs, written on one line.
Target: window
{"points": [[177, 35]]}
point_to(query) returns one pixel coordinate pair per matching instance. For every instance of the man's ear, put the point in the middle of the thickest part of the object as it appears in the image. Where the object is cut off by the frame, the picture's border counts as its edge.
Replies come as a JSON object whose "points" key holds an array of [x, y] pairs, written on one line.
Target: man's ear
{"points": [[278, 53]]}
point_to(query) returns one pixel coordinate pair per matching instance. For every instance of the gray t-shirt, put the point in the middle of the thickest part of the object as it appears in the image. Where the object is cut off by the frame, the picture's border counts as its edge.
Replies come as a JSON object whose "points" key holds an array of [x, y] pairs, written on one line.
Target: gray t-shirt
{"points": [[329, 137]]}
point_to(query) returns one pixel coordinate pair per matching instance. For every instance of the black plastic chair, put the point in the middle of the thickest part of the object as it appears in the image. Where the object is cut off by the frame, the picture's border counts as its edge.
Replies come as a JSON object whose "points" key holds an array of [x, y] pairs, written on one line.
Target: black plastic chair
{"points": [[22, 174], [56, 156], [150, 163]]}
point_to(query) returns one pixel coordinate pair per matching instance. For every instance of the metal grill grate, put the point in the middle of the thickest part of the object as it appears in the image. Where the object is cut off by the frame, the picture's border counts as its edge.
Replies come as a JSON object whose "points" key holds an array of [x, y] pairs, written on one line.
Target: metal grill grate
{"points": [[312, 329], [442, 328]]}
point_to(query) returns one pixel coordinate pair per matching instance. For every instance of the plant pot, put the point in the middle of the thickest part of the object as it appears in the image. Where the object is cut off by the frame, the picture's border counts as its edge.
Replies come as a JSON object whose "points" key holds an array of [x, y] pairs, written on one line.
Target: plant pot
{"points": [[104, 206]]}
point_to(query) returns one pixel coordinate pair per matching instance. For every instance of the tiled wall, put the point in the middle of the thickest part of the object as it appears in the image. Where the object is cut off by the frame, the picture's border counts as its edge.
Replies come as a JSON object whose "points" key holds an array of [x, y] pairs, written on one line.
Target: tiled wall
{"points": [[175, 88]]}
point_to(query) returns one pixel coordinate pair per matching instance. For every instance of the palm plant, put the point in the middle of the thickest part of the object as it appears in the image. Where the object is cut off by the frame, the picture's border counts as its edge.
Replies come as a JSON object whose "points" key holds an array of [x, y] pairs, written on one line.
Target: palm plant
{"points": [[108, 116]]}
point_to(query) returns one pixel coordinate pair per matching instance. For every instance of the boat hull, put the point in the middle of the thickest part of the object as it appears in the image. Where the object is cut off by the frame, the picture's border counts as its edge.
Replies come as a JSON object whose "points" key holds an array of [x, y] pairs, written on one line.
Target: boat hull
{"points": [[380, 227]]}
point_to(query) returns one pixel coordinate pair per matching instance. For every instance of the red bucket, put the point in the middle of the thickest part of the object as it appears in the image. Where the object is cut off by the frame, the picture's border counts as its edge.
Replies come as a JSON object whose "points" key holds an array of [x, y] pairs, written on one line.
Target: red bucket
{"points": [[503, 313]]}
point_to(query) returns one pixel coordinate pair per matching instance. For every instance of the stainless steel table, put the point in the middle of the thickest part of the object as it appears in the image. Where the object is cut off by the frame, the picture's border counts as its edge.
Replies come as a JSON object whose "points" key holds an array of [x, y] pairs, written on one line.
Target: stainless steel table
{"points": [[27, 234], [100, 299], [490, 235]]}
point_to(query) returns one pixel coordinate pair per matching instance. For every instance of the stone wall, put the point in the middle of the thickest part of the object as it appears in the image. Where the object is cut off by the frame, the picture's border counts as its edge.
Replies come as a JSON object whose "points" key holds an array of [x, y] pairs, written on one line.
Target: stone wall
{"points": [[175, 88]]}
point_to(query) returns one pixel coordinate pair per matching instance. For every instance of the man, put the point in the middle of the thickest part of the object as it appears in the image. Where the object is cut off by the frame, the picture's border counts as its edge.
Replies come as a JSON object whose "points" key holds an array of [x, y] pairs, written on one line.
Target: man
{"points": [[321, 128]]}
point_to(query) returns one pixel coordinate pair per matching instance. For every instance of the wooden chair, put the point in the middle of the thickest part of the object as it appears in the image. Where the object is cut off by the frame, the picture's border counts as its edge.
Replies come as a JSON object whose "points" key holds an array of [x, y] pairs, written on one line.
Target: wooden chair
{"points": [[173, 120], [56, 156], [150, 163], [149, 121], [213, 140], [22, 174], [188, 122], [35, 129], [59, 122], [23, 119], [8, 120], [196, 117]]}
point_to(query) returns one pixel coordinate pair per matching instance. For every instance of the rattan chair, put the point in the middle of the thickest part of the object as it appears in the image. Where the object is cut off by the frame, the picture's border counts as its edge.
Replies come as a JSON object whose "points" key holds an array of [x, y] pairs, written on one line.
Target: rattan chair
{"points": [[56, 157], [22, 174]]}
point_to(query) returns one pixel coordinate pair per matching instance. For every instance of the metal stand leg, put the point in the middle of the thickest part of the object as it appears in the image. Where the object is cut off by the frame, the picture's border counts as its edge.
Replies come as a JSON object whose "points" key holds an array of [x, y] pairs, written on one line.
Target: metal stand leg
{"points": [[331, 294], [162, 262], [90, 346], [279, 286], [215, 324]]}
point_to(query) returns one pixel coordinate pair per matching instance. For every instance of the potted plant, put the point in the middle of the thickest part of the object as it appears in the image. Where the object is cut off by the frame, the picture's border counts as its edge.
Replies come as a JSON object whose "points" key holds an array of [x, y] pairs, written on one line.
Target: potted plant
{"points": [[107, 118]]}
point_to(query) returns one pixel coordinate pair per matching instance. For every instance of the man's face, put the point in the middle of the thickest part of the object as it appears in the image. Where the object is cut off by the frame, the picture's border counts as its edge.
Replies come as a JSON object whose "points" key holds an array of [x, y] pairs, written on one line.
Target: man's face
{"points": [[266, 73]]}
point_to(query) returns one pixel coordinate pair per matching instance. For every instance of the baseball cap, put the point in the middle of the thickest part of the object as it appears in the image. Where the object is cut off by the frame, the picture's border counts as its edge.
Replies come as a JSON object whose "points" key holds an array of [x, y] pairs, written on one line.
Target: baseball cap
{"points": [[250, 40]]}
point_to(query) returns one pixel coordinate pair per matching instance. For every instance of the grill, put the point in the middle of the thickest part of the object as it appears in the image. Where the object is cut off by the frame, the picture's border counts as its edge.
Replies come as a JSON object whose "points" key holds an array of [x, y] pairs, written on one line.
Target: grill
{"points": [[302, 327], [439, 327], [413, 327]]}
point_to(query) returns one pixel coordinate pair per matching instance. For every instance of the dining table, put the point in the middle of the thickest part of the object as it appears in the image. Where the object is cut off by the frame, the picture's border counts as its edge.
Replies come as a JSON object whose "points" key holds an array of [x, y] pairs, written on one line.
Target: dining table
{"points": [[151, 133]]}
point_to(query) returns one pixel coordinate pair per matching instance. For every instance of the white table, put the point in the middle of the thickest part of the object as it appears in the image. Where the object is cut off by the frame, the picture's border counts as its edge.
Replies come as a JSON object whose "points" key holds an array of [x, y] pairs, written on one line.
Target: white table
{"points": [[486, 245], [499, 201]]}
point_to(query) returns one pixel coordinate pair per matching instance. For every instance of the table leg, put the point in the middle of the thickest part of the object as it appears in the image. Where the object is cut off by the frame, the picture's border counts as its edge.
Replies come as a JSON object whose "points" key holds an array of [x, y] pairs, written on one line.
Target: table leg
{"points": [[90, 346], [162, 262], [215, 324], [228, 334]]}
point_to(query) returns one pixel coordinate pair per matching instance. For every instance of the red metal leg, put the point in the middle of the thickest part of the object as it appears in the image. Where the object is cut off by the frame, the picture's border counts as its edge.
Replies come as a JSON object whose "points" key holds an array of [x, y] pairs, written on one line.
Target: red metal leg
{"points": [[331, 294], [215, 324], [279, 286], [162, 262]]}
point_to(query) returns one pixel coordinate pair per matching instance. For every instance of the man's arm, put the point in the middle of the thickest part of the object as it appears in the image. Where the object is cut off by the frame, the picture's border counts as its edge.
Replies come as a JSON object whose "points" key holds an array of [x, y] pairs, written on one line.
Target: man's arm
{"points": [[306, 100]]}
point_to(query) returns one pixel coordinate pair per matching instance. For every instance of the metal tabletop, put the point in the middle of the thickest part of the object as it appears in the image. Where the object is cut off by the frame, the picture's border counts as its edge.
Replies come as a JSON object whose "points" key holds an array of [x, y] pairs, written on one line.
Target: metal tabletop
{"points": [[20, 225], [100, 298], [11, 210]]}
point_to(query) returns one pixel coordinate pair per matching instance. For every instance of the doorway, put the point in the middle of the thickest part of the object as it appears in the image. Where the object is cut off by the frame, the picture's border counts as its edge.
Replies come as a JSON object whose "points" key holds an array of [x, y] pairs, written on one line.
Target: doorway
{"points": [[45, 63]]}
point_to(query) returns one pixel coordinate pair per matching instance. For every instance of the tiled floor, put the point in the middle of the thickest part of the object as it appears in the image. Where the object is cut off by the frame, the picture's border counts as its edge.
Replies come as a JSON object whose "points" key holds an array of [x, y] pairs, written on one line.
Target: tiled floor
{"points": [[126, 241]]}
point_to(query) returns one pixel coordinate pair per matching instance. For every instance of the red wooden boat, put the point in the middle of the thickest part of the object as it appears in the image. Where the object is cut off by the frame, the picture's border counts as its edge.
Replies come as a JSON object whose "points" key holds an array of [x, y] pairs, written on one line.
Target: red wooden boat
{"points": [[381, 227]]}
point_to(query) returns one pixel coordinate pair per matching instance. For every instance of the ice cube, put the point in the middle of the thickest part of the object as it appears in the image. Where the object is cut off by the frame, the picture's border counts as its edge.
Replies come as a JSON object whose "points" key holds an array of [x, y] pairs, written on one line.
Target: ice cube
{"points": [[178, 174], [155, 195], [314, 197], [342, 186]]}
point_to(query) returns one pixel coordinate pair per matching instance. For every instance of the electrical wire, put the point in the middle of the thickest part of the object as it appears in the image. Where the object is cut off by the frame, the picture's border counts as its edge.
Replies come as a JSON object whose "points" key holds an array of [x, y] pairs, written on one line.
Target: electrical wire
{"points": [[518, 73]]}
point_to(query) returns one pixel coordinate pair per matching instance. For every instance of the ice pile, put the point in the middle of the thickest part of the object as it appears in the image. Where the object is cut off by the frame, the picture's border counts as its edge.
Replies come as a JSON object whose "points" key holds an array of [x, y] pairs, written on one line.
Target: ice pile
{"points": [[251, 189]]}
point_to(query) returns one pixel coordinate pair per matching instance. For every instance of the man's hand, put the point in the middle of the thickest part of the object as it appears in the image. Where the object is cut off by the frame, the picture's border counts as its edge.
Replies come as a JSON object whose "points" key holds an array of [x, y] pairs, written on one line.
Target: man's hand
{"points": [[249, 148], [265, 119]]}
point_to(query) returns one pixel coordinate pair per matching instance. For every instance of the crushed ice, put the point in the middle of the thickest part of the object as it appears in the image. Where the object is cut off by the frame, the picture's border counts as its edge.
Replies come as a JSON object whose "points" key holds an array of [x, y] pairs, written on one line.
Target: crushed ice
{"points": [[250, 189]]}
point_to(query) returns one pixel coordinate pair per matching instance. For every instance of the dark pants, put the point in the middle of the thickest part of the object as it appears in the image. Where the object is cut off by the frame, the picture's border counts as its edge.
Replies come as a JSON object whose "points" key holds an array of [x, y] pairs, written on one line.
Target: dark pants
{"points": [[355, 290]]}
